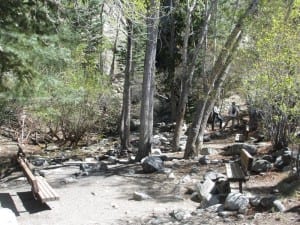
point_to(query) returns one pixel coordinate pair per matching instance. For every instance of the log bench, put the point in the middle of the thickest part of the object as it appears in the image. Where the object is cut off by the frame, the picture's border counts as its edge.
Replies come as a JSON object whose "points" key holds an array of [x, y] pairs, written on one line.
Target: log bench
{"points": [[238, 171], [40, 188]]}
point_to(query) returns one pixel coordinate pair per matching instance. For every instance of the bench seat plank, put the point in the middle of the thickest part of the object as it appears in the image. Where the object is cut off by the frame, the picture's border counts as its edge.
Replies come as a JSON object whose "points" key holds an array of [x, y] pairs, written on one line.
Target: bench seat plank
{"points": [[40, 187], [234, 172], [46, 192]]}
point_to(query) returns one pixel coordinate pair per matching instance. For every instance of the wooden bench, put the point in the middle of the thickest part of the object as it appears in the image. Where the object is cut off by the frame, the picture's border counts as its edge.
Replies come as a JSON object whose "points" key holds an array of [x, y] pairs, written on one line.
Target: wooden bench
{"points": [[40, 188], [238, 171]]}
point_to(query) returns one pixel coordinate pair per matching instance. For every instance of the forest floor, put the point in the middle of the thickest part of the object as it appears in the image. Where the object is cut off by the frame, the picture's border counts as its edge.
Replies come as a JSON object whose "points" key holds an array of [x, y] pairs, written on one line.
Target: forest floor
{"points": [[106, 198]]}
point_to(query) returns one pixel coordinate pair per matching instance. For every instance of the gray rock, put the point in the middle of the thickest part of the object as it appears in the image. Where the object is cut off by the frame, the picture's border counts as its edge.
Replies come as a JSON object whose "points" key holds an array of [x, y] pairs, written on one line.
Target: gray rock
{"points": [[255, 201], [226, 214], [205, 190], [69, 180], [180, 215], [205, 187], [223, 186], [237, 147], [204, 160], [206, 138], [267, 201], [156, 152], [8, 217], [268, 158], [279, 206], [208, 151], [51, 147], [213, 175], [215, 208], [139, 196], [236, 201], [261, 165], [152, 164], [283, 160]]}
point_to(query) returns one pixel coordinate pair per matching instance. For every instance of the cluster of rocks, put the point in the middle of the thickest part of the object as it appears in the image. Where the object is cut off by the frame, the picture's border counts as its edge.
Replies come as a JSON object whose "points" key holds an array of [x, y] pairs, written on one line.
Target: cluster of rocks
{"points": [[217, 203], [280, 160]]}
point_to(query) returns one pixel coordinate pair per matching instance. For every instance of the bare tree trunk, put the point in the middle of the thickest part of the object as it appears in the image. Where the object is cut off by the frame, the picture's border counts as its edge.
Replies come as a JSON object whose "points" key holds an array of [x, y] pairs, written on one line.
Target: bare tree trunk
{"points": [[188, 69], [114, 51], [171, 69], [101, 61], [129, 70], [148, 82], [219, 75]]}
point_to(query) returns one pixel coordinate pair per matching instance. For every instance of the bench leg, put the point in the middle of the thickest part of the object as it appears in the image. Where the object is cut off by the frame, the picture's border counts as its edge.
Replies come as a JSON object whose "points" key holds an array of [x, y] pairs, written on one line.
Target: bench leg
{"points": [[241, 186]]}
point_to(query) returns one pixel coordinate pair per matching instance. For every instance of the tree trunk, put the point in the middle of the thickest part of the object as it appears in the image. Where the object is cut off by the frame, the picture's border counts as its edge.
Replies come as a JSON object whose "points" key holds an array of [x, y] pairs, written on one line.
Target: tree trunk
{"points": [[171, 70], [125, 119], [148, 82], [219, 75], [114, 51], [188, 69]]}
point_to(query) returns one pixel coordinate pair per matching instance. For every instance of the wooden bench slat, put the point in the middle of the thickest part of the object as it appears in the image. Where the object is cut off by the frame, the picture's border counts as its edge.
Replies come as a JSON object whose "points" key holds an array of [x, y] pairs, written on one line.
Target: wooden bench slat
{"points": [[46, 193], [40, 187], [238, 171]]}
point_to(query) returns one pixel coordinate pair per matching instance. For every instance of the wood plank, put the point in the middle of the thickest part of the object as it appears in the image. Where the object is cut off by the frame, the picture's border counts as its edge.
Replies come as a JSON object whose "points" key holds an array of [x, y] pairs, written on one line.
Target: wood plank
{"points": [[47, 193], [29, 175]]}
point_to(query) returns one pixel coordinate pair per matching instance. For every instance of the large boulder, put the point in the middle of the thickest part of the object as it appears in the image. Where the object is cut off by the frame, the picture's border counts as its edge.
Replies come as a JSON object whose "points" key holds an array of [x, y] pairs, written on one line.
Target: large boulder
{"points": [[236, 148], [261, 165], [152, 164], [236, 202]]}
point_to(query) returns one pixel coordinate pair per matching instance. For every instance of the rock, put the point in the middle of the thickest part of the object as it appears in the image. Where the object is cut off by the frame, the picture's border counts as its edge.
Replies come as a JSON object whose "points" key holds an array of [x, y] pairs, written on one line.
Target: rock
{"points": [[267, 201], [139, 196], [186, 179], [235, 149], [180, 215], [206, 186], [261, 165], [51, 148], [156, 152], [195, 197], [7, 217], [223, 186], [268, 158], [208, 151], [239, 138], [279, 206], [283, 160], [206, 138], [236, 201], [69, 180], [171, 176], [39, 162], [92, 168], [215, 208], [205, 190], [214, 176], [204, 160], [255, 201], [156, 140], [209, 200], [152, 164], [195, 169], [225, 214], [134, 125]]}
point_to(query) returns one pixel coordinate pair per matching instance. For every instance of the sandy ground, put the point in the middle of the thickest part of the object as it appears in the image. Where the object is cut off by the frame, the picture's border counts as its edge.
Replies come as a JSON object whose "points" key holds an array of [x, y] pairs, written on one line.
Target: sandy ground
{"points": [[102, 200]]}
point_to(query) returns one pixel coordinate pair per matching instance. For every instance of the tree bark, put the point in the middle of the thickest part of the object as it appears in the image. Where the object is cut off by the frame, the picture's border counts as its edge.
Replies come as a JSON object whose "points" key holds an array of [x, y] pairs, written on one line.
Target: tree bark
{"points": [[189, 69], [126, 107], [219, 76], [148, 82]]}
